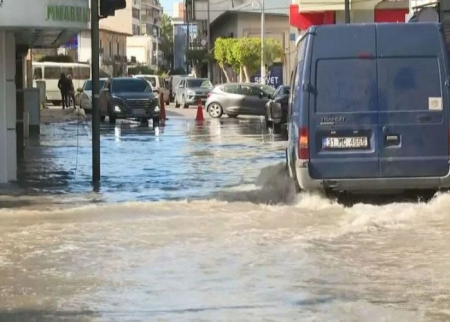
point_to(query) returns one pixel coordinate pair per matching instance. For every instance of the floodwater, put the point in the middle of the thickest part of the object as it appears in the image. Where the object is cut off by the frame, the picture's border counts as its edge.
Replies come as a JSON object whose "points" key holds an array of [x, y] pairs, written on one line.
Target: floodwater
{"points": [[211, 231]]}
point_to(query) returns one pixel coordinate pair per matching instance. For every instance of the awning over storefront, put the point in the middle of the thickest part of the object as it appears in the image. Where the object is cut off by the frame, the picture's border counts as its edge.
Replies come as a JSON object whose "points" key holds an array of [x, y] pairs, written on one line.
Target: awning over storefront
{"points": [[303, 20], [44, 23], [390, 15]]}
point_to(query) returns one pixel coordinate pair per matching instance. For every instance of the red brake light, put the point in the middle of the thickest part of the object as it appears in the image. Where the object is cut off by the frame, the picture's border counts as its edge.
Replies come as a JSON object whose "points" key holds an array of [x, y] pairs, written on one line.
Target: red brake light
{"points": [[364, 55], [303, 144]]}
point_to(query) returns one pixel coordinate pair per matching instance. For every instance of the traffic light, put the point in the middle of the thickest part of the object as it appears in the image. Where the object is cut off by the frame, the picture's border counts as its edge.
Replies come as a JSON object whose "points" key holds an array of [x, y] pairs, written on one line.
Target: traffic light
{"points": [[108, 7]]}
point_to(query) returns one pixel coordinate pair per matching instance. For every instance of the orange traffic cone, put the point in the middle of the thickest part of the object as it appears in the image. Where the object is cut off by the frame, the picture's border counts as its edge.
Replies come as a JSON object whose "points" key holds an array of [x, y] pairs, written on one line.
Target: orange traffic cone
{"points": [[199, 116], [162, 110]]}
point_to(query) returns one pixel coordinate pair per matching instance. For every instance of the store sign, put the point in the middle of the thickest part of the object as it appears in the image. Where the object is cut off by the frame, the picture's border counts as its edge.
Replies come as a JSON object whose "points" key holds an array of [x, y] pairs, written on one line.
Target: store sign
{"points": [[68, 13]]}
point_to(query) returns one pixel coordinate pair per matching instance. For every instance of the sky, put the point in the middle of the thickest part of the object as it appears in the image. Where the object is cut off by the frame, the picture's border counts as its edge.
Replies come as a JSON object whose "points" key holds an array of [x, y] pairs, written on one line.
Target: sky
{"points": [[168, 6]]}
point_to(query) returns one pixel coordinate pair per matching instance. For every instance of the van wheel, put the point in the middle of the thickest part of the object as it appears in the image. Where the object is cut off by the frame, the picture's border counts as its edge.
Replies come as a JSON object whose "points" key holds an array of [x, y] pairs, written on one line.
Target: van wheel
{"points": [[177, 105], [112, 117], [294, 176]]}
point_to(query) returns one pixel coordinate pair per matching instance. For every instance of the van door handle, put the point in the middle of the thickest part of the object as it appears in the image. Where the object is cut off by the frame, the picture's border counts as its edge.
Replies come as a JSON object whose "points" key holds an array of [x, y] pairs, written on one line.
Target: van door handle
{"points": [[424, 118]]}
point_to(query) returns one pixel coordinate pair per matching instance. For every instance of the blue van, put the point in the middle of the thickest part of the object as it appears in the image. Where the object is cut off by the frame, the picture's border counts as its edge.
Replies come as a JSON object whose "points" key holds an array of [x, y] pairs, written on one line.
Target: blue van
{"points": [[369, 109]]}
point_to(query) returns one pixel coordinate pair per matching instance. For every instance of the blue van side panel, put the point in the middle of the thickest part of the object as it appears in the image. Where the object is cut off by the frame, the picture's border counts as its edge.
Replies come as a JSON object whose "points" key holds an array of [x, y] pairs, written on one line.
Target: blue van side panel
{"points": [[413, 100], [344, 103]]}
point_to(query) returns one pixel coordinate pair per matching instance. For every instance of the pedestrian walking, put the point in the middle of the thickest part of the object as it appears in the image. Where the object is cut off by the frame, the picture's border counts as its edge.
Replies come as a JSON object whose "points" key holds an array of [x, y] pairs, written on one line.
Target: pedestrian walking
{"points": [[71, 90], [64, 89]]}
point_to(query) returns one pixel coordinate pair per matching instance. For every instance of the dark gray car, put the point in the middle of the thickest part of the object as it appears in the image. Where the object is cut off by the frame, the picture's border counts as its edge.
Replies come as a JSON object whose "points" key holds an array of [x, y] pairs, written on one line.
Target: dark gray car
{"points": [[128, 97], [234, 99]]}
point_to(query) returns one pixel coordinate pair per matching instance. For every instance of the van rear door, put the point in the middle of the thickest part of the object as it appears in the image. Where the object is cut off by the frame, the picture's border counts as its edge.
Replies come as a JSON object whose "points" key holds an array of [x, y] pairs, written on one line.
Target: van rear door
{"points": [[413, 101], [343, 113]]}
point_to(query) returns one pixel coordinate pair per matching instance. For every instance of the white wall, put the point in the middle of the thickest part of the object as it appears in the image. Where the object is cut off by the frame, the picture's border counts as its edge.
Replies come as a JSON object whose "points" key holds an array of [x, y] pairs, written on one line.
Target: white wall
{"points": [[8, 153], [84, 46]]}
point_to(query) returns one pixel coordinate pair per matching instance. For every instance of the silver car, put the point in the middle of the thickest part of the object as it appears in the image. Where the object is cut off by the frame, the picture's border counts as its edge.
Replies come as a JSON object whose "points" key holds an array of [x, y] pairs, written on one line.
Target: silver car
{"points": [[234, 99], [190, 90], [84, 95]]}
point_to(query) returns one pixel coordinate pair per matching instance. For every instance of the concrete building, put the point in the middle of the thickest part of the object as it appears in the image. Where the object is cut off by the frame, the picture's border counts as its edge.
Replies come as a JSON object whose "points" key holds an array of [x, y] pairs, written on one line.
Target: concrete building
{"points": [[151, 13], [178, 11], [52, 23], [141, 50], [245, 21]]}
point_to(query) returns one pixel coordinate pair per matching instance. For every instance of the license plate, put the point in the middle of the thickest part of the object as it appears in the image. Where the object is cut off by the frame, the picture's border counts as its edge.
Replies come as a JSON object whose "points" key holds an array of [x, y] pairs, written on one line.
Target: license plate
{"points": [[345, 142], [138, 111]]}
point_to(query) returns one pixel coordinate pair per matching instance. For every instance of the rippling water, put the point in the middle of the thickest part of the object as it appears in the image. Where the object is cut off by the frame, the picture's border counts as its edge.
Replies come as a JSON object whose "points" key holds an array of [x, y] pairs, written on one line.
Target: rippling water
{"points": [[232, 241], [306, 258]]}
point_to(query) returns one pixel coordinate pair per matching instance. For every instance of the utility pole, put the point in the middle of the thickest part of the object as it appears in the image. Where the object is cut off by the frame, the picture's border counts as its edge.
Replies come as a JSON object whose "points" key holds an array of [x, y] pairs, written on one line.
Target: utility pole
{"points": [[188, 40], [95, 66], [208, 39], [347, 11], [263, 64]]}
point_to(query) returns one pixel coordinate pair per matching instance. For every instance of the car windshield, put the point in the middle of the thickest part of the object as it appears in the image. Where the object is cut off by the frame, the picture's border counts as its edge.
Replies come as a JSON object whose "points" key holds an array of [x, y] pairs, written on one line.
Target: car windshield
{"points": [[88, 86], [201, 82], [131, 85], [267, 89]]}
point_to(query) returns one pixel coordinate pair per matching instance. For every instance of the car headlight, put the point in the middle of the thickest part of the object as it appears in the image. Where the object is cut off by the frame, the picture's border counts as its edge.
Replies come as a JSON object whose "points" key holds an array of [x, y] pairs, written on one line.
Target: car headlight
{"points": [[190, 93]]}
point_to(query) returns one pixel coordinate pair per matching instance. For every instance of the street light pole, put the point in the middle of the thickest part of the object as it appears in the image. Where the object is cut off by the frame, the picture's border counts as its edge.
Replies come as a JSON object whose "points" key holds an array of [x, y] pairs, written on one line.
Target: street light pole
{"points": [[95, 66], [263, 65], [208, 39]]}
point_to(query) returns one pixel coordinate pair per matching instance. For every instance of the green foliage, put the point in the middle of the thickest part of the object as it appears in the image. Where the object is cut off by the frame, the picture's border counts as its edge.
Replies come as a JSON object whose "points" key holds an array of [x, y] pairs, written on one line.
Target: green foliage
{"points": [[272, 51], [57, 59], [196, 56], [220, 51], [145, 70], [166, 45], [246, 53]]}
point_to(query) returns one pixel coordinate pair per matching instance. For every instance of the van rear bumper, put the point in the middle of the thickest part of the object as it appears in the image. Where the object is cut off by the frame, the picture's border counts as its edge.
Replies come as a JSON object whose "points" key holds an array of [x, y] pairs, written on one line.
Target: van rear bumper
{"points": [[368, 184]]}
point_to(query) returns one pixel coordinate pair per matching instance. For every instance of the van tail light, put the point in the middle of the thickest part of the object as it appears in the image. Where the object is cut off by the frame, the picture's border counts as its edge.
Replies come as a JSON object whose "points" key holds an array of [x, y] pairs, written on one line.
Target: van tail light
{"points": [[303, 144]]}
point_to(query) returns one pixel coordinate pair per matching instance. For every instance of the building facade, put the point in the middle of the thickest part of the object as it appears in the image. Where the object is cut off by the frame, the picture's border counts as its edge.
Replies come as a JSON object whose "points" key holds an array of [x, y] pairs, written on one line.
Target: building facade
{"points": [[53, 23]]}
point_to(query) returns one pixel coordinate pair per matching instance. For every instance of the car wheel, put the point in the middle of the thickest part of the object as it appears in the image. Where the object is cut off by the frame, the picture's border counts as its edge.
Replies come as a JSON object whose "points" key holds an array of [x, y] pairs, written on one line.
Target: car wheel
{"points": [[215, 110], [156, 121], [233, 116], [184, 102], [176, 103]]}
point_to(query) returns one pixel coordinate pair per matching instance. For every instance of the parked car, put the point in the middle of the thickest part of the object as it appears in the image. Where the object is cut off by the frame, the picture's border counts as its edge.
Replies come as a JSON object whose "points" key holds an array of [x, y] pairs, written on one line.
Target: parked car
{"points": [[190, 90], [174, 80], [372, 114], [83, 97], [128, 97], [158, 85], [236, 99], [277, 106]]}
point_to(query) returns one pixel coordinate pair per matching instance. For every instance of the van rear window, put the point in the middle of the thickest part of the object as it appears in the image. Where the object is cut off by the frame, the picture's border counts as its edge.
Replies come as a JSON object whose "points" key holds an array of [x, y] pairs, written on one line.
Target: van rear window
{"points": [[407, 82], [346, 85]]}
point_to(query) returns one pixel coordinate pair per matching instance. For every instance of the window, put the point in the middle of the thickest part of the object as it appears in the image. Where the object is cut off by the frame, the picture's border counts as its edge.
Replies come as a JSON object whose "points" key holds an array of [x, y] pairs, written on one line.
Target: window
{"points": [[201, 82], [267, 89], [278, 92], [340, 91], [82, 73], [131, 85], [232, 89], [407, 83], [37, 73], [248, 90], [88, 85], [136, 13], [152, 81], [52, 72]]}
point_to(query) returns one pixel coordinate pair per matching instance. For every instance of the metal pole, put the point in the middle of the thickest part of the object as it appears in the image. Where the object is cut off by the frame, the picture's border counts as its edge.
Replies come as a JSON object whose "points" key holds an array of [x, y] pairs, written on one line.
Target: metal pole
{"points": [[208, 39], [187, 36], [347, 11], [263, 65], [95, 66]]}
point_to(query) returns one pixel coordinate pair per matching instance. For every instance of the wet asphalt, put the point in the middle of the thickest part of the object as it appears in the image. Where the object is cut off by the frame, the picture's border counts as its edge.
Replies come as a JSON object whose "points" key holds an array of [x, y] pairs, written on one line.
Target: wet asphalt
{"points": [[185, 159]]}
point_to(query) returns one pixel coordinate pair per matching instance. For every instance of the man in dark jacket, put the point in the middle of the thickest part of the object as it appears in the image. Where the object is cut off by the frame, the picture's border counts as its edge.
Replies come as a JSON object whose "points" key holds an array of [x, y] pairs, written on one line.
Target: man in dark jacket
{"points": [[64, 88]]}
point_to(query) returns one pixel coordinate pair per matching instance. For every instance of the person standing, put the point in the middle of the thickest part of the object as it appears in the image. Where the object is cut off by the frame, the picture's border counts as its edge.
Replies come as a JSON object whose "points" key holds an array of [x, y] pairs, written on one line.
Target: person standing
{"points": [[71, 90], [63, 87]]}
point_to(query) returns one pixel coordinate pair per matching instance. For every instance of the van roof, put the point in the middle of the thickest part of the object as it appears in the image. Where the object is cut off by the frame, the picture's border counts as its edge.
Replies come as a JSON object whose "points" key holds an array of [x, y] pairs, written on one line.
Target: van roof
{"points": [[381, 39]]}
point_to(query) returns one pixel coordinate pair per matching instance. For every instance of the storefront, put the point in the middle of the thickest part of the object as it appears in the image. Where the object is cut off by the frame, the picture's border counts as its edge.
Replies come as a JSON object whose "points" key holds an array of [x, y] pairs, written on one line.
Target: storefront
{"points": [[28, 24]]}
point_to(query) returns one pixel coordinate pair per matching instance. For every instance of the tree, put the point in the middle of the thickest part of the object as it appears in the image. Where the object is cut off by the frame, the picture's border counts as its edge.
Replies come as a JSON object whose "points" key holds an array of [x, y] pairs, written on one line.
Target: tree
{"points": [[245, 53], [197, 57], [221, 55], [166, 45]]}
